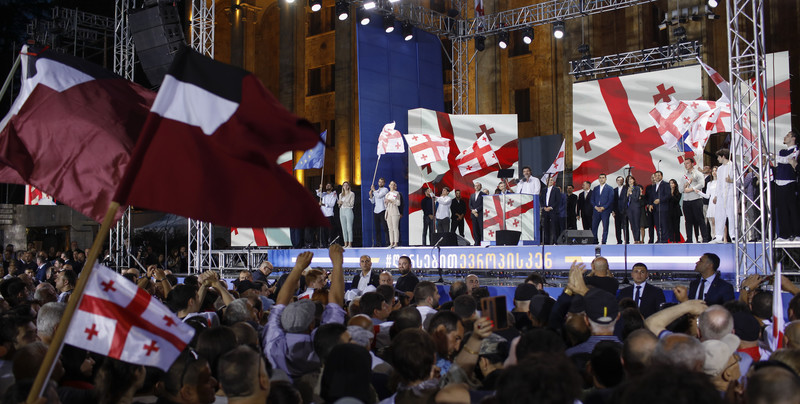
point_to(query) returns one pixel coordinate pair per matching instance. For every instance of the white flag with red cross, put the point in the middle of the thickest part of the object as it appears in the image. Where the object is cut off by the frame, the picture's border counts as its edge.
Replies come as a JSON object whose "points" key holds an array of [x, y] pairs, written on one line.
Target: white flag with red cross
{"points": [[117, 319], [390, 140], [427, 149], [557, 166], [479, 156], [518, 209]]}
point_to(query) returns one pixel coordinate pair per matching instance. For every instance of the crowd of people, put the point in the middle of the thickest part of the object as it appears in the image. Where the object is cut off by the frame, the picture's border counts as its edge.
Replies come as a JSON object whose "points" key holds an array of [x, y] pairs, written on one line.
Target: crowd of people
{"points": [[642, 212], [307, 337]]}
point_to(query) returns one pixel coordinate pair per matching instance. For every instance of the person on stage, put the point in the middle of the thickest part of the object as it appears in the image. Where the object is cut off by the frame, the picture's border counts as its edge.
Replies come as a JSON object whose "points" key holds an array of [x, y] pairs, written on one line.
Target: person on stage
{"points": [[427, 217], [691, 183], [346, 200], [661, 216], [674, 199], [648, 222], [725, 198], [327, 202], [443, 211], [584, 206], [528, 184], [502, 188], [785, 199], [457, 211], [711, 195], [550, 201], [602, 201], [572, 208], [619, 211], [393, 201], [632, 200], [476, 209], [376, 197]]}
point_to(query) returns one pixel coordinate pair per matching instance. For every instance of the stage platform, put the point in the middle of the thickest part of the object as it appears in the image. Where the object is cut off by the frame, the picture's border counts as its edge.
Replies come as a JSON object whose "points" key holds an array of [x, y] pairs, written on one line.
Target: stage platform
{"points": [[494, 261]]}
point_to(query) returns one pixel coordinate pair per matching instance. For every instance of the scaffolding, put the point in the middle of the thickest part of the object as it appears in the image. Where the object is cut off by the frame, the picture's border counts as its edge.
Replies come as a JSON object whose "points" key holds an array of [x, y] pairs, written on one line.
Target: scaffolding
{"points": [[201, 234], [749, 138], [74, 32], [622, 63]]}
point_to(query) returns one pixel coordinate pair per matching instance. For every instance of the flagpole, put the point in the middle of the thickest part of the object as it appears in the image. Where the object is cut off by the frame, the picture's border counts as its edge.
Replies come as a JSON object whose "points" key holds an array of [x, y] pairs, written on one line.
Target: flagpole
{"points": [[72, 304], [433, 202], [376, 171]]}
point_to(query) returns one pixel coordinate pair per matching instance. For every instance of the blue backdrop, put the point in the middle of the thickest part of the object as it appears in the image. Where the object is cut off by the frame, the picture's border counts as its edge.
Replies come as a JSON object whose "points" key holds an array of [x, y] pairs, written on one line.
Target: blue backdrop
{"points": [[393, 77]]}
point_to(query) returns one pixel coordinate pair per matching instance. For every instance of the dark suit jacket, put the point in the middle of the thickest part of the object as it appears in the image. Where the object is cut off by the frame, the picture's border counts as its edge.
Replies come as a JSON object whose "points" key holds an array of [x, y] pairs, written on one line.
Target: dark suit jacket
{"points": [[635, 198], [619, 200], [604, 199], [572, 206], [662, 194], [585, 205], [427, 206], [719, 292], [374, 279], [652, 297], [555, 198], [476, 203]]}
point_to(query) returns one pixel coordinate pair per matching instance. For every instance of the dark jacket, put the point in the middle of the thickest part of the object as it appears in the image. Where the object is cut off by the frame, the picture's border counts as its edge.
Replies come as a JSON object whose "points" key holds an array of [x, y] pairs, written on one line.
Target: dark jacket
{"points": [[651, 296], [719, 292]]}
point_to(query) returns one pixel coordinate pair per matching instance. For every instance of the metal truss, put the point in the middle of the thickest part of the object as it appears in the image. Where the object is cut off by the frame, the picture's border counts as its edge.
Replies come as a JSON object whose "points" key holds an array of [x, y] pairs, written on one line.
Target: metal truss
{"points": [[460, 81], [656, 58], [71, 30], [202, 40], [230, 262], [119, 241], [123, 42], [202, 28], [750, 135]]}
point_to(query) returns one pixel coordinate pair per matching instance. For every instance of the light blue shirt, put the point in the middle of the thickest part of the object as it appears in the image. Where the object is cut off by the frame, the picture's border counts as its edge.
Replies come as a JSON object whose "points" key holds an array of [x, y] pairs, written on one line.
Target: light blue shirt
{"points": [[378, 199]]}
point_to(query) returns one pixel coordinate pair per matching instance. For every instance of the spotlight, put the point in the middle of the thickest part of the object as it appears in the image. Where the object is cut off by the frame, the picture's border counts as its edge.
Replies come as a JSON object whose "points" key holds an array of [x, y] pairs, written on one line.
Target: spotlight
{"points": [[679, 32], [342, 9], [388, 23], [558, 29], [527, 35], [479, 42], [369, 4], [712, 16], [393, 1], [502, 40], [363, 16], [583, 49], [290, 1], [713, 3], [316, 5], [407, 30]]}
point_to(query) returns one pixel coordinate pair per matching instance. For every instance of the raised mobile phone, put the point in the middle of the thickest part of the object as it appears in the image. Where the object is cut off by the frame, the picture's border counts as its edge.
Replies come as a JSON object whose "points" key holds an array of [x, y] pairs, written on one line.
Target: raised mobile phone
{"points": [[494, 307]]}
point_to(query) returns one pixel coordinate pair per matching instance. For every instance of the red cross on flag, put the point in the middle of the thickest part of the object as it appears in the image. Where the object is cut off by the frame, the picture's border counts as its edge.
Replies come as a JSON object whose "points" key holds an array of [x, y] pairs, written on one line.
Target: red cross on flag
{"points": [[557, 166], [427, 149], [390, 140], [117, 319], [480, 155], [720, 81]]}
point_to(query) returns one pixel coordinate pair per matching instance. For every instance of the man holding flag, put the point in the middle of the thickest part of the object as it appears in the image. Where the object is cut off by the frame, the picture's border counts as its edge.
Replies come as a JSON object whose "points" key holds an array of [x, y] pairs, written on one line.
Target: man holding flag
{"points": [[377, 198]]}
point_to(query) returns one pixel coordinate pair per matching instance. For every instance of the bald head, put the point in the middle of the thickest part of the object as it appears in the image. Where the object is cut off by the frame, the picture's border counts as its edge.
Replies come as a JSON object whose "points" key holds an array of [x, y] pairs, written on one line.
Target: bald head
{"points": [[600, 266], [792, 335], [773, 385], [680, 350], [715, 323], [637, 350]]}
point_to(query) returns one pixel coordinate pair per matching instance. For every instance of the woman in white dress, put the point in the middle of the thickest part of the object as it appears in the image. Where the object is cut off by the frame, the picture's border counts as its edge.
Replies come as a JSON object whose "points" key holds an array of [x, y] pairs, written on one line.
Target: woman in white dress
{"points": [[711, 194], [346, 200], [393, 214]]}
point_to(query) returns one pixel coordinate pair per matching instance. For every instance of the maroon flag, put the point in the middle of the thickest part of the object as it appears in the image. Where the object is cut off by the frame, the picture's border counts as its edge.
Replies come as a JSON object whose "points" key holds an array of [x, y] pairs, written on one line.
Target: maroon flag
{"points": [[71, 130], [210, 150]]}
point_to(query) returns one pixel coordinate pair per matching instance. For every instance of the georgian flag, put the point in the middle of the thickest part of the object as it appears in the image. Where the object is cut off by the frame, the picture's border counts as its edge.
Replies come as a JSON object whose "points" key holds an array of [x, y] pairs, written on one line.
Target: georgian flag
{"points": [[427, 149], [778, 322], [557, 166], [518, 215], [480, 155], [390, 140], [721, 83], [117, 319]]}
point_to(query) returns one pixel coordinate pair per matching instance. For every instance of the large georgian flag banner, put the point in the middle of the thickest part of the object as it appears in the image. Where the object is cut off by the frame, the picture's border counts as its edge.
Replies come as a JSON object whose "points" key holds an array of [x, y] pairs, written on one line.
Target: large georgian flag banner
{"points": [[117, 319], [463, 131], [71, 130], [612, 129], [214, 132]]}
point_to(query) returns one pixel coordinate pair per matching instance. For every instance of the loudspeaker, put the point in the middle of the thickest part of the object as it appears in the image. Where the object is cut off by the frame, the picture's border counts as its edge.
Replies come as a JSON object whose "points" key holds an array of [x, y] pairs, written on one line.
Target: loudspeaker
{"points": [[576, 237], [462, 241], [507, 237], [448, 239], [157, 36]]}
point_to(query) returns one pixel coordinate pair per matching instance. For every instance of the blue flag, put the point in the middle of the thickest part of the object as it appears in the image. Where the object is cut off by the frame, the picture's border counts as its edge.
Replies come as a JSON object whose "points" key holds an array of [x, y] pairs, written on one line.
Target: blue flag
{"points": [[315, 157]]}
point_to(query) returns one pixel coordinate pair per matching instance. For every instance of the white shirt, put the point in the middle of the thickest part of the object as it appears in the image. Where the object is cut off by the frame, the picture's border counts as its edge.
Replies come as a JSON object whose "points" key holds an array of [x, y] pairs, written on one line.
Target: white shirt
{"points": [[378, 199], [641, 292], [547, 196], [530, 186], [695, 181], [426, 311], [443, 210], [328, 202], [702, 293], [724, 188], [363, 281]]}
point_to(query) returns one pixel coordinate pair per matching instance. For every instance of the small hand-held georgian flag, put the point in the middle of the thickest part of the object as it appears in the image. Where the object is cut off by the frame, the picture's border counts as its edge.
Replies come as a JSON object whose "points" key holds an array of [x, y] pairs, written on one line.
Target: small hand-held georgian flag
{"points": [[722, 84], [117, 319], [428, 148], [557, 166], [778, 322], [480, 155], [390, 140], [209, 150]]}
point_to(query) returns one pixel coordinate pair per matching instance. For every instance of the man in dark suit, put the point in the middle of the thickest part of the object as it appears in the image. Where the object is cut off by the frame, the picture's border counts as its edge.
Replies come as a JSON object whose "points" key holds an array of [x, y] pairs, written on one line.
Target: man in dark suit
{"points": [[648, 199], [661, 207], [427, 217], [476, 213], [602, 202], [367, 276], [648, 298], [572, 208], [584, 206], [457, 211], [619, 210], [710, 286], [550, 201]]}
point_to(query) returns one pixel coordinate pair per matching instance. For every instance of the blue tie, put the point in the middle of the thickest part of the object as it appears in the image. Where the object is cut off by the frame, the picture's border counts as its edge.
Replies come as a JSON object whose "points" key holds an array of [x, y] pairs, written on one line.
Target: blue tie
{"points": [[638, 297]]}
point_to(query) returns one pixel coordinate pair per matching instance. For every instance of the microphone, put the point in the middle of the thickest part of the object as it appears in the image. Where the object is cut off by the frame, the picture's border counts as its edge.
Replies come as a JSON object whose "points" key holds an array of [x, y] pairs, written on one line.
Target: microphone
{"points": [[439, 241], [334, 240]]}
